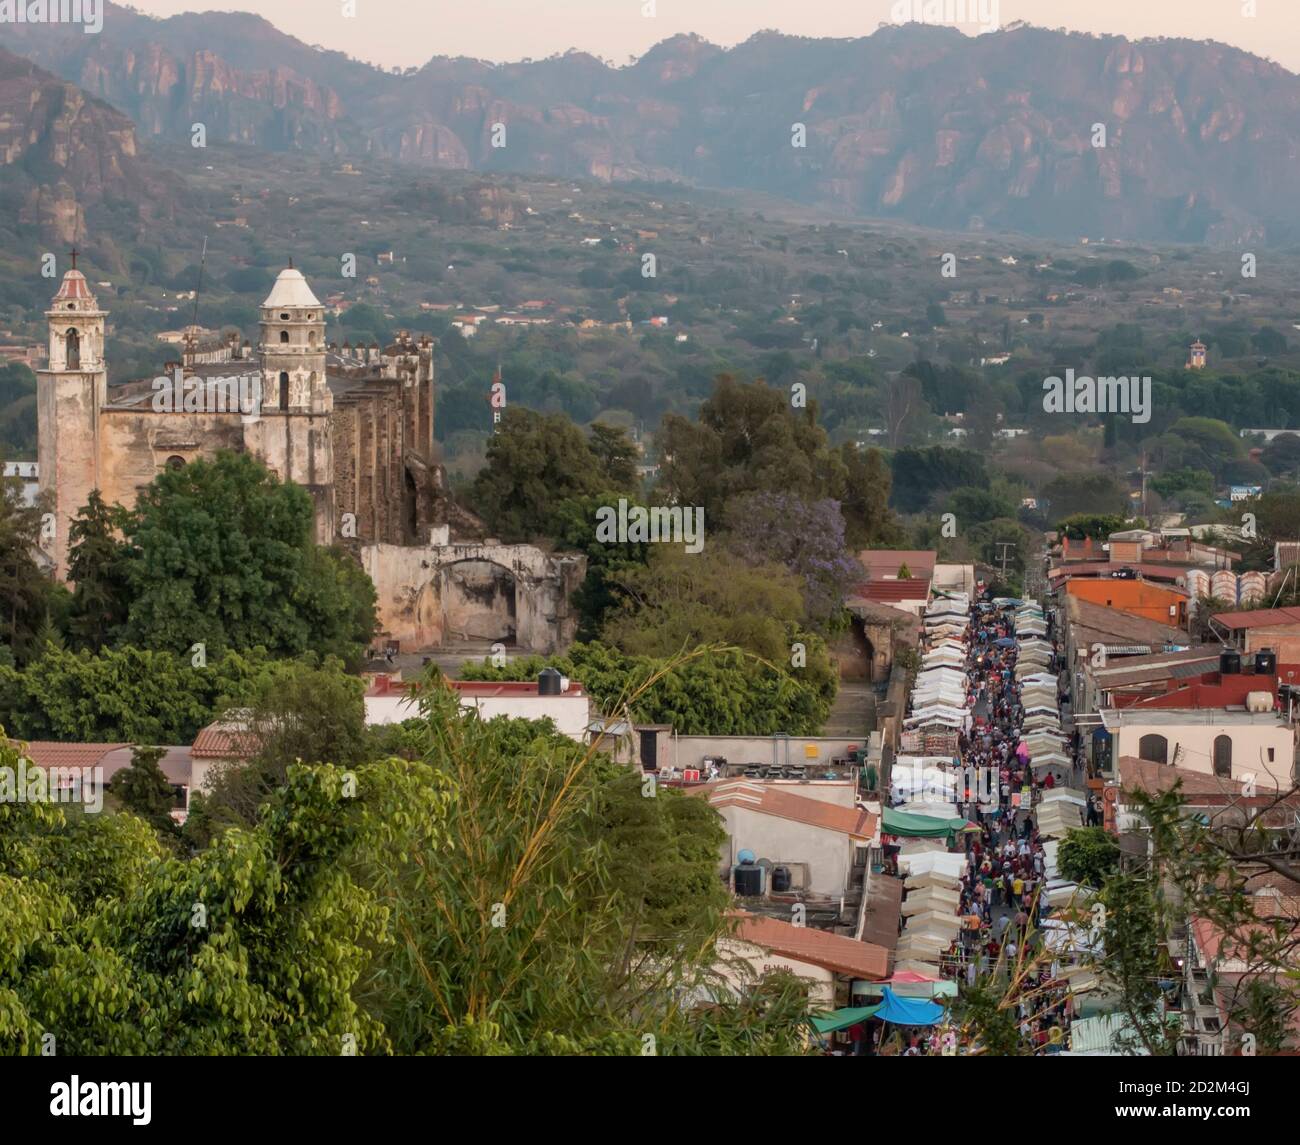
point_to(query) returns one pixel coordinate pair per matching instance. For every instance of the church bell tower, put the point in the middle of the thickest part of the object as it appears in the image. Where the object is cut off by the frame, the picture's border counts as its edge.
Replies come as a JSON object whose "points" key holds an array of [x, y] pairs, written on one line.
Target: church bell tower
{"points": [[70, 392]]}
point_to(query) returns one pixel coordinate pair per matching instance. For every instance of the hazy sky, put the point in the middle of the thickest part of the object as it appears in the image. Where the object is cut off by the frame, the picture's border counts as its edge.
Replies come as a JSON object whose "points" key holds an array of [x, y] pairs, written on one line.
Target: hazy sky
{"points": [[407, 32]]}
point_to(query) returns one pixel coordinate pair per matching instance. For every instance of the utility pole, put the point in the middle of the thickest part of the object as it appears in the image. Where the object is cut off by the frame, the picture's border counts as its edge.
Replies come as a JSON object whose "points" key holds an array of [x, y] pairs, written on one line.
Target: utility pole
{"points": [[198, 290], [1004, 546]]}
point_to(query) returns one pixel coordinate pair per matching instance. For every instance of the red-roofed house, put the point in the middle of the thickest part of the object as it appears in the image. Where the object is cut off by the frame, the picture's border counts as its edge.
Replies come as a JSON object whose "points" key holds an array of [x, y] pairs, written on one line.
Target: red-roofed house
{"points": [[1277, 629], [109, 759], [825, 959]]}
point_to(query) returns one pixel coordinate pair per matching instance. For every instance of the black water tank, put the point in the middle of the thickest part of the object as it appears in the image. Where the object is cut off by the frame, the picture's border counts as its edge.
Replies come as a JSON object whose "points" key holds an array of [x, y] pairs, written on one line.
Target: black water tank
{"points": [[1229, 663], [780, 879], [1266, 662], [749, 881], [549, 682]]}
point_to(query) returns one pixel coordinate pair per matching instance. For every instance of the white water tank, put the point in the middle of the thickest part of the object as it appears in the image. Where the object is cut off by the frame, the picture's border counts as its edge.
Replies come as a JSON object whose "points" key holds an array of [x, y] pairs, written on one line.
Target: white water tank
{"points": [[1259, 701]]}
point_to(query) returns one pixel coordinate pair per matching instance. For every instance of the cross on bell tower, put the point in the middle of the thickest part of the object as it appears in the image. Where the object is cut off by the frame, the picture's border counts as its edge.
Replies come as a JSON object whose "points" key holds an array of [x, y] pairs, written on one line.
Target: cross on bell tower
{"points": [[72, 254]]}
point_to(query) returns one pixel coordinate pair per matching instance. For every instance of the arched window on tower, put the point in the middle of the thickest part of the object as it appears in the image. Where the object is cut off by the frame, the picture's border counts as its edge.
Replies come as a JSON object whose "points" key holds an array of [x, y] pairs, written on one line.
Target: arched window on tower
{"points": [[73, 344], [284, 337], [1223, 756], [284, 390]]}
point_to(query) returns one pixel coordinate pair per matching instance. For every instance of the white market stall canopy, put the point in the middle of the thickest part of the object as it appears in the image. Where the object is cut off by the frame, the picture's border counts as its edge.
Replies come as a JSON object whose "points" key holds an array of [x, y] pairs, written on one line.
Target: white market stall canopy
{"points": [[953, 866], [941, 924], [932, 898]]}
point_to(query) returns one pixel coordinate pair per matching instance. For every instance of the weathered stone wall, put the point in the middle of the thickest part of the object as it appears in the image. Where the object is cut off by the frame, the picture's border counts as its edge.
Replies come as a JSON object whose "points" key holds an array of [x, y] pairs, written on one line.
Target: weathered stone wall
{"points": [[136, 443], [67, 450], [426, 592]]}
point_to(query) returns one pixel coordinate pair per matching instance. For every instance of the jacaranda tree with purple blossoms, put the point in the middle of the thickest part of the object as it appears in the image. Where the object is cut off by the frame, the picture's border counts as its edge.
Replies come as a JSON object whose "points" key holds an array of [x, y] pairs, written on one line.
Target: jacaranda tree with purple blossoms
{"points": [[805, 537]]}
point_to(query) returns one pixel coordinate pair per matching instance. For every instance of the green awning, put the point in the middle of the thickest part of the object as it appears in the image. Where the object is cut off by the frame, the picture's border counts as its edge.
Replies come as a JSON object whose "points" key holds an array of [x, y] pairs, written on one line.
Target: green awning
{"points": [[842, 1019], [896, 822]]}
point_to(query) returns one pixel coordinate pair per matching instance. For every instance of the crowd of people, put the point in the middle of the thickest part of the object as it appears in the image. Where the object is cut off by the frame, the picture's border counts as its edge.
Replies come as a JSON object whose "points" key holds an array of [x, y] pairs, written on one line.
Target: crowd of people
{"points": [[1002, 890]]}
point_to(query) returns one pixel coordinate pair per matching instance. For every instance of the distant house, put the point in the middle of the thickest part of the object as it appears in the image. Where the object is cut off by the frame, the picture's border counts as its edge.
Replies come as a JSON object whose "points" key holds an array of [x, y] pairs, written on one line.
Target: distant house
{"points": [[89, 768], [29, 472]]}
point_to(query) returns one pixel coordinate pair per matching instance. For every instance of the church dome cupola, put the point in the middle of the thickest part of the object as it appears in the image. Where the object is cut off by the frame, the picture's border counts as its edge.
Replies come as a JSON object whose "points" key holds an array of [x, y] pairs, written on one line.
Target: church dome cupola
{"points": [[293, 347], [290, 292], [74, 294]]}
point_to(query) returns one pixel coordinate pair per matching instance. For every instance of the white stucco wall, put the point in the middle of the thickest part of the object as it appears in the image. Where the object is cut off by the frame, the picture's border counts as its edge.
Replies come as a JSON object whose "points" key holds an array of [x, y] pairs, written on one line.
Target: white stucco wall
{"points": [[687, 751], [1250, 747], [821, 989], [829, 854], [572, 714]]}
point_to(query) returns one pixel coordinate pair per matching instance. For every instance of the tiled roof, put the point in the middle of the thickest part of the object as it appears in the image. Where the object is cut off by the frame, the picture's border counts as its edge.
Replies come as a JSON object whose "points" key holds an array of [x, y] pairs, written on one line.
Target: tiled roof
{"points": [[109, 757], [887, 562], [45, 753], [1152, 778], [73, 286], [887, 591], [1258, 618], [1104, 625], [768, 799], [225, 741], [834, 952]]}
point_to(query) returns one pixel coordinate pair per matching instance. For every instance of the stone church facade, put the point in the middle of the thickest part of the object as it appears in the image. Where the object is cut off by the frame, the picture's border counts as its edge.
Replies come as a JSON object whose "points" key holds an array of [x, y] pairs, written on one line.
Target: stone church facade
{"points": [[355, 432], [352, 426]]}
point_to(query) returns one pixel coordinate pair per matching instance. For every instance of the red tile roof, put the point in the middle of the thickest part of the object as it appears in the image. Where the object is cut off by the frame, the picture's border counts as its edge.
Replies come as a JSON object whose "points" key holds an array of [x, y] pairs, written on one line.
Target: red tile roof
{"points": [[45, 753], [1198, 789], [892, 591], [769, 799], [834, 952], [73, 286], [886, 562], [224, 741], [1258, 617]]}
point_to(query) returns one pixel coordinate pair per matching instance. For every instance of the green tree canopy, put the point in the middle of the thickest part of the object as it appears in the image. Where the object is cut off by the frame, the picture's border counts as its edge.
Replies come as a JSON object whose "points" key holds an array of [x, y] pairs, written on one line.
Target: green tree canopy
{"points": [[220, 553]]}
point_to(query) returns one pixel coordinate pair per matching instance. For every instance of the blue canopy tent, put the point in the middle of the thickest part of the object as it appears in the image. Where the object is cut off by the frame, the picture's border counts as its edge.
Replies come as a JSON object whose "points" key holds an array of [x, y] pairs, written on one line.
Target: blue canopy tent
{"points": [[908, 1011]]}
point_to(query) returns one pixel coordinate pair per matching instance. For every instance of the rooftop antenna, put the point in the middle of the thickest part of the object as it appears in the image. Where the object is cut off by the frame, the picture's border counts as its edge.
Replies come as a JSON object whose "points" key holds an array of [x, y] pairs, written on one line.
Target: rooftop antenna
{"points": [[203, 260]]}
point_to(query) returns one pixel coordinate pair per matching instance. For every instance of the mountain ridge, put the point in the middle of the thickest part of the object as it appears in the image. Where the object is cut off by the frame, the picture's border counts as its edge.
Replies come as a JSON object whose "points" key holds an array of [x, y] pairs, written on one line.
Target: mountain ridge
{"points": [[916, 123]]}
